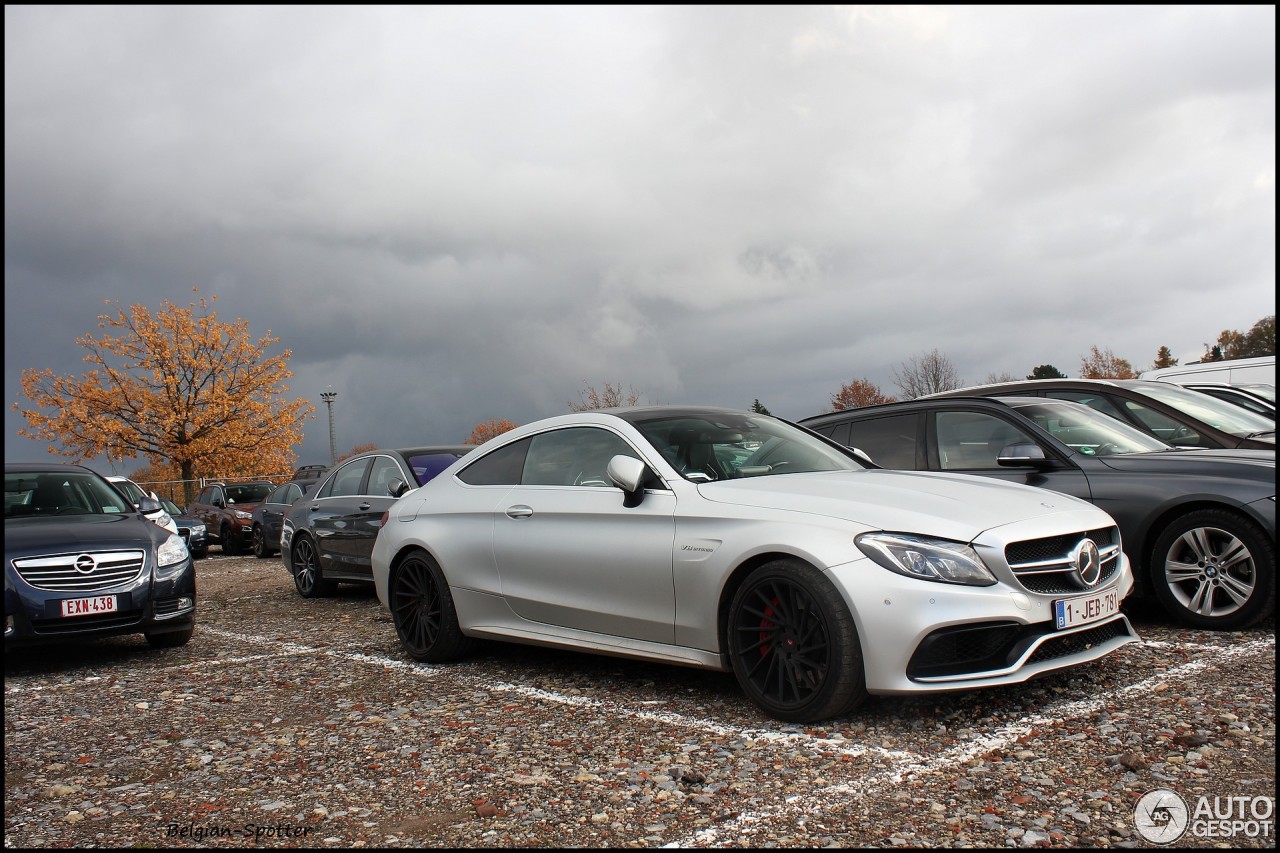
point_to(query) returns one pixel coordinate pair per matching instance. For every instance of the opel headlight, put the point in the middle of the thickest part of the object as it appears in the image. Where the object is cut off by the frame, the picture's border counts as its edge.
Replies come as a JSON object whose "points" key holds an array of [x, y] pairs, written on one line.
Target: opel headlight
{"points": [[927, 559], [172, 550]]}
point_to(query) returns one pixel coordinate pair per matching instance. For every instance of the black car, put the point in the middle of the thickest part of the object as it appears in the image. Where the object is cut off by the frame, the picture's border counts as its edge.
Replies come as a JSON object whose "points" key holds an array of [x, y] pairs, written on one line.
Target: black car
{"points": [[268, 516], [80, 562], [1199, 526], [328, 536], [192, 530], [1246, 397], [1171, 413]]}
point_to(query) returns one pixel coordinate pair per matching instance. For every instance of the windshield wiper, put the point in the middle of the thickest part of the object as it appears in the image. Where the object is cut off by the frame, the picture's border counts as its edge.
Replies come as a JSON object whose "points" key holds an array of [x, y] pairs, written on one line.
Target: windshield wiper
{"points": [[1265, 432]]}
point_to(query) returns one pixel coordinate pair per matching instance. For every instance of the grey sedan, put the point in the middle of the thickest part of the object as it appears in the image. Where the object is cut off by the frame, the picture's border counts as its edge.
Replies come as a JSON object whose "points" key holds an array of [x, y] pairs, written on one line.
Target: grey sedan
{"points": [[1199, 525], [731, 541]]}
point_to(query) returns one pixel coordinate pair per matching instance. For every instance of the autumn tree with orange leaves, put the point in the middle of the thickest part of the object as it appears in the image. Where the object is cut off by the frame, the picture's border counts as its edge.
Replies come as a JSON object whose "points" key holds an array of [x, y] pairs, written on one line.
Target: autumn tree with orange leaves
{"points": [[176, 387], [856, 394], [487, 430], [355, 448], [1105, 365]]}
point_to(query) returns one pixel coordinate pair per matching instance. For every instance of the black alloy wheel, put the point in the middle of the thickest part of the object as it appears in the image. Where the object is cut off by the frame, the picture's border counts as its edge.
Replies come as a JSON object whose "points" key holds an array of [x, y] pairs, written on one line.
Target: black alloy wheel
{"points": [[1214, 569], [423, 612], [307, 576], [170, 639], [229, 544], [260, 548], [793, 644]]}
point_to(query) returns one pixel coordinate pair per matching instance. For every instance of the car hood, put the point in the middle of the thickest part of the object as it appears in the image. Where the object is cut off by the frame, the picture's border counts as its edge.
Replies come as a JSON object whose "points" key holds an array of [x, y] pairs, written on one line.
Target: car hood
{"points": [[62, 534], [952, 506], [1238, 463]]}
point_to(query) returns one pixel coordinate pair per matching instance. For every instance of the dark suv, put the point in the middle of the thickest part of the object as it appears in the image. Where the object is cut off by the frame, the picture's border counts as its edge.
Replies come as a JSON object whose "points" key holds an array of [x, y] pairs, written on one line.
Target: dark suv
{"points": [[227, 511]]}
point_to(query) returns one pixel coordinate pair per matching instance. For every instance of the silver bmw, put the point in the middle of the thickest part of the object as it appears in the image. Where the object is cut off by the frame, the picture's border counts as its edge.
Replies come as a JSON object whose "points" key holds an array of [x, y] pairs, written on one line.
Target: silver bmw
{"points": [[733, 541]]}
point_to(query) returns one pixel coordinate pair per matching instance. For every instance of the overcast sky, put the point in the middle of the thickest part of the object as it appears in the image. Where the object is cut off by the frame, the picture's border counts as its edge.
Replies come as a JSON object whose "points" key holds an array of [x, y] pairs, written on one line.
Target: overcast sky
{"points": [[451, 214]]}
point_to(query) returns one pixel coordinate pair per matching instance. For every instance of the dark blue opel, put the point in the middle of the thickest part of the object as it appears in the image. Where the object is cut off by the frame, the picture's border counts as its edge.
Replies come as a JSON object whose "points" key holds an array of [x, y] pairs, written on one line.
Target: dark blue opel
{"points": [[80, 562]]}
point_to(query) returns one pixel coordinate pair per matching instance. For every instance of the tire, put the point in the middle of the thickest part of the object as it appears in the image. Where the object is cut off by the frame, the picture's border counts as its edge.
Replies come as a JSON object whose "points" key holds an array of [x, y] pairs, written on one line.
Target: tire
{"points": [[200, 555], [170, 639], [1214, 569], [229, 544], [423, 612], [793, 644], [307, 575], [261, 549]]}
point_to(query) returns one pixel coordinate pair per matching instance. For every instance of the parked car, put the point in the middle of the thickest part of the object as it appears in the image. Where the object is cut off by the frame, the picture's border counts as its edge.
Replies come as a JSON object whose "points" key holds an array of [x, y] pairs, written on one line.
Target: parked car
{"points": [[1198, 525], [136, 493], [1173, 414], [1244, 396], [227, 511], [81, 561], [327, 537], [814, 578], [268, 516], [307, 473], [192, 530]]}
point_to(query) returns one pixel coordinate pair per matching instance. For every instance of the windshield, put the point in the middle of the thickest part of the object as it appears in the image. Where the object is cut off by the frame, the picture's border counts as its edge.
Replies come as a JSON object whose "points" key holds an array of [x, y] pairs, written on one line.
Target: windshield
{"points": [[1087, 430], [1220, 414], [726, 446], [248, 493], [1266, 391], [48, 493]]}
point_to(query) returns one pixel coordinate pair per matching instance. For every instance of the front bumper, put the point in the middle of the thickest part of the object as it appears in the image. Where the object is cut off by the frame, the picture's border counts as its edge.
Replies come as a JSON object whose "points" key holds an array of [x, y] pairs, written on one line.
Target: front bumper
{"points": [[923, 637], [146, 605]]}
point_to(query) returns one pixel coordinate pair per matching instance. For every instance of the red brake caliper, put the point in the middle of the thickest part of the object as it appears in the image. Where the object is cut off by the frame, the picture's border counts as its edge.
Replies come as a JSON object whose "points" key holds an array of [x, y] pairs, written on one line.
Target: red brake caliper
{"points": [[766, 626]]}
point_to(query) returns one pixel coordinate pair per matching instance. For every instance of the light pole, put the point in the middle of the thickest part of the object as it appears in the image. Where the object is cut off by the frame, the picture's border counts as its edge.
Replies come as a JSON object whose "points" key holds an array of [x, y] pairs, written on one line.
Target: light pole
{"points": [[328, 397]]}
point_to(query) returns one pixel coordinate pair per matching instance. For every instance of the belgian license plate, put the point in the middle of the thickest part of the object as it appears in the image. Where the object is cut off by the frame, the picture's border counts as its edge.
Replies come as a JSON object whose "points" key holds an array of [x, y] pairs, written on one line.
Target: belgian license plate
{"points": [[89, 606], [1071, 612]]}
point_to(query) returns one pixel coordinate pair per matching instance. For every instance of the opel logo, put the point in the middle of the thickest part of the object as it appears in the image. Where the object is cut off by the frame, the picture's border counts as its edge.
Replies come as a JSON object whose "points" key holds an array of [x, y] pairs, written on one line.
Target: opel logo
{"points": [[1088, 564], [85, 564]]}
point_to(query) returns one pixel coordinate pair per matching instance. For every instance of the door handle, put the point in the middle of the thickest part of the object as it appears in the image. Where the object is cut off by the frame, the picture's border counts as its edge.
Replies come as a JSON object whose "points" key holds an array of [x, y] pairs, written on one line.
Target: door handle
{"points": [[519, 511], [364, 506]]}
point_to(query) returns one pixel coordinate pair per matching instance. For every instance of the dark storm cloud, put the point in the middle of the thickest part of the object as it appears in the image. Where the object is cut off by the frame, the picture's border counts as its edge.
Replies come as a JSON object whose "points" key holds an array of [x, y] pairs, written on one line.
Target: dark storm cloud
{"points": [[450, 214]]}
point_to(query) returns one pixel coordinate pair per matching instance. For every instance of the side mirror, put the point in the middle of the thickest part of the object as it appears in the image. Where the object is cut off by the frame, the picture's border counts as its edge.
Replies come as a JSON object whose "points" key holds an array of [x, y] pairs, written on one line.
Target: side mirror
{"points": [[397, 487], [219, 502], [1021, 456], [863, 457], [627, 473], [147, 505]]}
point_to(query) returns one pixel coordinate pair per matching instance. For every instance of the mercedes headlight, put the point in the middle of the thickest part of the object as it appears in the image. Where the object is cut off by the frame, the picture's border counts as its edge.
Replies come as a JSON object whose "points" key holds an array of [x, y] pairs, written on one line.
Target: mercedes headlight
{"points": [[927, 559]]}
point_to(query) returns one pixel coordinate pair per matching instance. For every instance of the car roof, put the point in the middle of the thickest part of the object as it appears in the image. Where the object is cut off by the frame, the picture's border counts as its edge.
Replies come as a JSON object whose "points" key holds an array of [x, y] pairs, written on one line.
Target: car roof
{"points": [[24, 467], [1002, 401]]}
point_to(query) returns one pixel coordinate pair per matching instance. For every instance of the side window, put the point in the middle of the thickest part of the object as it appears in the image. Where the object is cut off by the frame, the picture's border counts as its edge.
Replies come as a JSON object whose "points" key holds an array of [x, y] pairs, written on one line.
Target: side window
{"points": [[384, 471], [292, 492], [578, 456], [205, 497], [1090, 399], [892, 441], [502, 467], [348, 478], [971, 441], [1165, 427]]}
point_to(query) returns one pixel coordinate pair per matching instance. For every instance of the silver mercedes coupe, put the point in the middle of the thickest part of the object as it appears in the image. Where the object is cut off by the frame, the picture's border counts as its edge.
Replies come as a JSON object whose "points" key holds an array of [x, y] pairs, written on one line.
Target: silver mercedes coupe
{"points": [[741, 542]]}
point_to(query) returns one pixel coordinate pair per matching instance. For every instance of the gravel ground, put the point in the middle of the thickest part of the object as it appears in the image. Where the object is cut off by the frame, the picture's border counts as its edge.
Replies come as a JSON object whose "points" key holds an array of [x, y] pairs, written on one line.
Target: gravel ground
{"points": [[288, 722]]}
